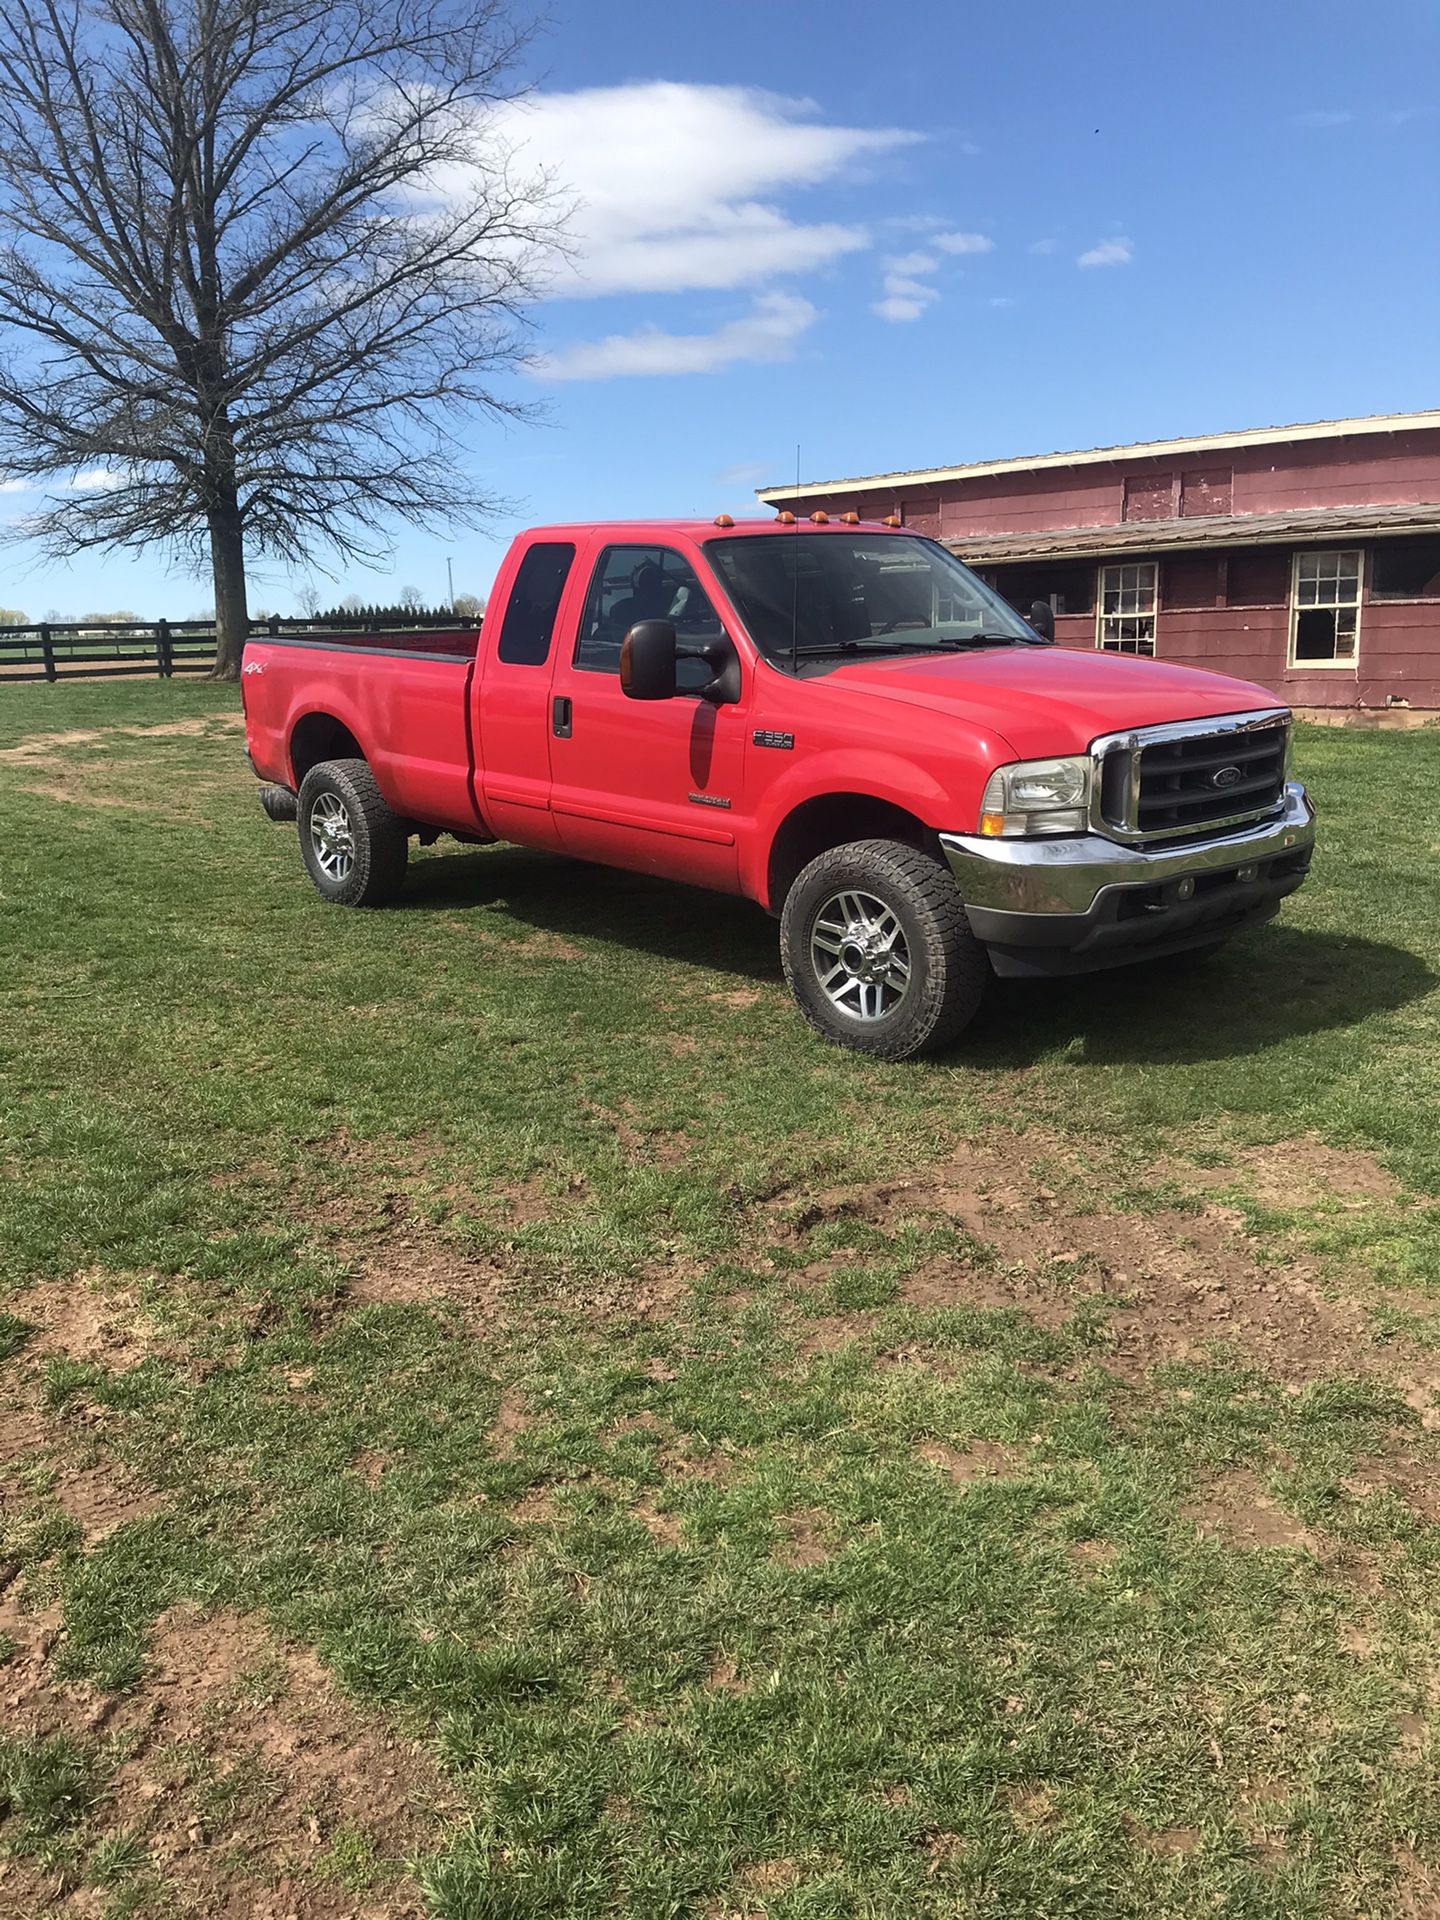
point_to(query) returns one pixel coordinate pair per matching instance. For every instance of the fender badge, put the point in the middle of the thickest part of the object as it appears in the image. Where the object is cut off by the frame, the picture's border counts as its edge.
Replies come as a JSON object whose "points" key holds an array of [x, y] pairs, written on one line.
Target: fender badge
{"points": [[707, 800], [767, 737]]}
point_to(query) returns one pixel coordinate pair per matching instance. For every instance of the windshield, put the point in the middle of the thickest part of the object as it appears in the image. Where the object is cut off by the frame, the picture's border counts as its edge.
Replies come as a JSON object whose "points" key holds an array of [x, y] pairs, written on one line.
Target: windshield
{"points": [[825, 595]]}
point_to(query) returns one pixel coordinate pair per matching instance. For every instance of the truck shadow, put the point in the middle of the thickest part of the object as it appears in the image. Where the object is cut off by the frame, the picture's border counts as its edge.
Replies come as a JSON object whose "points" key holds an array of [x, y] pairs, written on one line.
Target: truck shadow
{"points": [[1278, 983]]}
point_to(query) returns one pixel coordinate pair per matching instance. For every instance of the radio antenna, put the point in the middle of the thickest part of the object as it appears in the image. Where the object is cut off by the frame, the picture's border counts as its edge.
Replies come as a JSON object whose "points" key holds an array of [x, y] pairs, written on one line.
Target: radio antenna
{"points": [[795, 582]]}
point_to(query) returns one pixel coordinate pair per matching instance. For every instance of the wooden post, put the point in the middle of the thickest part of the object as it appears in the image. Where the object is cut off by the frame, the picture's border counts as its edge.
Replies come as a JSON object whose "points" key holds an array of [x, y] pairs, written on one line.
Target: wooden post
{"points": [[47, 651], [164, 660]]}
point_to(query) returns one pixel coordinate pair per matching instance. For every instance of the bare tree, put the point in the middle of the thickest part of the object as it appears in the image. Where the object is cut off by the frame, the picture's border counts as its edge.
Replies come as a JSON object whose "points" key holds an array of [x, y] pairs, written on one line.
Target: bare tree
{"points": [[259, 261], [470, 604]]}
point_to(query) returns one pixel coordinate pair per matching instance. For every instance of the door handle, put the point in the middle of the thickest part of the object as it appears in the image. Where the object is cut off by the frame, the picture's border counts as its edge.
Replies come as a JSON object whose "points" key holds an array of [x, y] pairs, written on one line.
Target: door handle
{"points": [[561, 717]]}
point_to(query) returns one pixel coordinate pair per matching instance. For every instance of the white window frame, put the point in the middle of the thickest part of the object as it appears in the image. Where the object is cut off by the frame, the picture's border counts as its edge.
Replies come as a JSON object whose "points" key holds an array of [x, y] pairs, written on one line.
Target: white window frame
{"points": [[1108, 641], [1345, 663]]}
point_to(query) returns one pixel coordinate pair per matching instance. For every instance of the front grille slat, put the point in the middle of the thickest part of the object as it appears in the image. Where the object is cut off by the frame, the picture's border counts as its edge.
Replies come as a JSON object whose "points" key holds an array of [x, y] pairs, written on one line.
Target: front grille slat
{"points": [[1176, 781]]}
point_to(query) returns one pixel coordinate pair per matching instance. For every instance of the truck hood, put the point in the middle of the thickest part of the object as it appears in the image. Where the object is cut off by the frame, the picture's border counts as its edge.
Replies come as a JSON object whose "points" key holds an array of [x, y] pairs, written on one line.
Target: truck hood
{"points": [[1049, 700]]}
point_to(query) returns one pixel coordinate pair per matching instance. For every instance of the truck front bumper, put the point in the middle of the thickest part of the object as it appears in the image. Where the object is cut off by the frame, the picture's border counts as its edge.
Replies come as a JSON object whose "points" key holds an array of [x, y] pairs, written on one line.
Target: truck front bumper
{"points": [[1075, 903]]}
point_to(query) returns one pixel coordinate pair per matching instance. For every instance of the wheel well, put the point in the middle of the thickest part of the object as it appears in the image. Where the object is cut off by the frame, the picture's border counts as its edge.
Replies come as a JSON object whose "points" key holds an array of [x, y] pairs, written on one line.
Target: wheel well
{"points": [[317, 737], [833, 820]]}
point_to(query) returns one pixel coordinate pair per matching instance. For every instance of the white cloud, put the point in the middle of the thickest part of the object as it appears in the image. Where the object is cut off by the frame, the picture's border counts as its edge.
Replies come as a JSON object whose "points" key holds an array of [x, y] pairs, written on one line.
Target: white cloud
{"points": [[963, 242], [97, 480], [912, 263], [1110, 253], [1041, 246], [1002, 300], [768, 332], [900, 307], [675, 186], [14, 486]]}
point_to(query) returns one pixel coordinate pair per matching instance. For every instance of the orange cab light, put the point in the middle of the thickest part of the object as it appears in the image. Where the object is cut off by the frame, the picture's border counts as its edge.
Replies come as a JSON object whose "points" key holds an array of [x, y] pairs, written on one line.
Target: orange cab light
{"points": [[992, 824], [891, 520], [724, 520], [820, 518], [851, 519], [786, 519]]}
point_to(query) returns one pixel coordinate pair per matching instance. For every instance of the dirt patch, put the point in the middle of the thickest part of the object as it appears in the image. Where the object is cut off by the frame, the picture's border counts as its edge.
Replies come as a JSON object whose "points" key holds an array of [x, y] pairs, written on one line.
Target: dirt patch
{"points": [[1031, 1807], [47, 748], [243, 1766], [1295, 1174], [803, 1543], [1089, 1555], [736, 998], [1237, 1508], [664, 1528], [75, 1320], [1168, 1285], [402, 1273], [977, 1460]]}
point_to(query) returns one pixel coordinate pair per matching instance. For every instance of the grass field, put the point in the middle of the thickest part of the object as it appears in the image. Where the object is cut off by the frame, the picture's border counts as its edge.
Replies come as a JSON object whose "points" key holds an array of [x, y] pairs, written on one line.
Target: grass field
{"points": [[498, 1422]]}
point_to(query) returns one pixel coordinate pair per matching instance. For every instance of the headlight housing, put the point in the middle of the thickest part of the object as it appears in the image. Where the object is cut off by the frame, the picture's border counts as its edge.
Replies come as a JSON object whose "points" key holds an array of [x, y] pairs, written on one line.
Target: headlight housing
{"points": [[1037, 797]]}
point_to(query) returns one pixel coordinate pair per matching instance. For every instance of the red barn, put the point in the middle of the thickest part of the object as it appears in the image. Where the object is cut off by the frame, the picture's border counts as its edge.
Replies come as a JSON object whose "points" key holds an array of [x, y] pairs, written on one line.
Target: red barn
{"points": [[1305, 557]]}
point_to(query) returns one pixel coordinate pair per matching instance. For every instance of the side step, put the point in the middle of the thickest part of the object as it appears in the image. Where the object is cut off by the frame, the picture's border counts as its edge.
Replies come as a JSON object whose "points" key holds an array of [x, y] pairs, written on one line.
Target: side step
{"points": [[279, 802]]}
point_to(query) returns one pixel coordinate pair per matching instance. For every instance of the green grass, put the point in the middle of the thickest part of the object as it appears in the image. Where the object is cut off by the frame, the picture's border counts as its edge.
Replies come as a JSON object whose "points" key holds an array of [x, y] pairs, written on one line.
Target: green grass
{"points": [[469, 1313]]}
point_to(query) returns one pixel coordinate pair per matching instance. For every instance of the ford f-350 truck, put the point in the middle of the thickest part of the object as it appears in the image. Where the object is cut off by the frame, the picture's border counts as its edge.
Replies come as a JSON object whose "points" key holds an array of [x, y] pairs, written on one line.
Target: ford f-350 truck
{"points": [[837, 720]]}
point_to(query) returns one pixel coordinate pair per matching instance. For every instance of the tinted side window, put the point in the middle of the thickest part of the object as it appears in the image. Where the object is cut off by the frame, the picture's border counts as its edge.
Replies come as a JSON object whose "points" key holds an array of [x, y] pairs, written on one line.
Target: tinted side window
{"points": [[534, 603], [645, 583]]}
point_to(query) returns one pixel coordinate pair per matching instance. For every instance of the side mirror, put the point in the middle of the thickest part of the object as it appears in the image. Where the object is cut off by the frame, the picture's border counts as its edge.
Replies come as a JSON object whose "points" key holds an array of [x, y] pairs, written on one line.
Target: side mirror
{"points": [[647, 661], [1042, 619]]}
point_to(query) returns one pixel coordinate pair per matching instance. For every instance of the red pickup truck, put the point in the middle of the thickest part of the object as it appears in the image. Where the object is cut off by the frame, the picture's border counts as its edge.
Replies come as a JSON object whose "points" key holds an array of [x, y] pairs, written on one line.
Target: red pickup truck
{"points": [[837, 720]]}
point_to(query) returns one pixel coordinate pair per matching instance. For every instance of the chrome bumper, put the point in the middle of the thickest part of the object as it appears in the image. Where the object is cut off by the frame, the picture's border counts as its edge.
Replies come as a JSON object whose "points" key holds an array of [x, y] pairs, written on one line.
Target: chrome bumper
{"points": [[1068, 875]]}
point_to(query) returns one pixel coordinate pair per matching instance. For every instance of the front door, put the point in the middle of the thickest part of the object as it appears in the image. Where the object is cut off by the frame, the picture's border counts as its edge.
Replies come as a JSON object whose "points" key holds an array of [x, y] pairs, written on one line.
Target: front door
{"points": [[653, 785]]}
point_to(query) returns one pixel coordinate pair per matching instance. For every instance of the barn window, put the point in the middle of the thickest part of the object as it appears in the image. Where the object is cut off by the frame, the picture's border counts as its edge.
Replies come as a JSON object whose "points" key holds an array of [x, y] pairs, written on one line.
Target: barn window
{"points": [[1127, 607], [1325, 609], [1405, 570]]}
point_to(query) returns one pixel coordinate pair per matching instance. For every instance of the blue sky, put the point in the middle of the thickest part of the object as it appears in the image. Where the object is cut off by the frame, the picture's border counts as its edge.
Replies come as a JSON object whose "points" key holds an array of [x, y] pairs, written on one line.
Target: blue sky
{"points": [[914, 235]]}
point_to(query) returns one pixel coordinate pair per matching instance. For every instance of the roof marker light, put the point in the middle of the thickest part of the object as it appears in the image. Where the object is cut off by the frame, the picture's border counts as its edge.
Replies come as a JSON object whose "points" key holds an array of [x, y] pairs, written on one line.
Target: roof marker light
{"points": [[724, 520], [786, 518], [891, 520], [820, 518], [851, 519]]}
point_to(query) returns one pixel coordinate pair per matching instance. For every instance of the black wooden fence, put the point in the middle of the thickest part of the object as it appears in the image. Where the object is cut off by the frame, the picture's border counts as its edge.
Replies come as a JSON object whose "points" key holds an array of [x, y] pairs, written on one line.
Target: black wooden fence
{"points": [[55, 651]]}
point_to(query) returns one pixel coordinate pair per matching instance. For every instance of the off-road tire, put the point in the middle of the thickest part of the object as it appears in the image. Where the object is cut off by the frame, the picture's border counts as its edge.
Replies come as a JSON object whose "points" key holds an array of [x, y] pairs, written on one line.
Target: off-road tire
{"points": [[949, 969], [380, 843]]}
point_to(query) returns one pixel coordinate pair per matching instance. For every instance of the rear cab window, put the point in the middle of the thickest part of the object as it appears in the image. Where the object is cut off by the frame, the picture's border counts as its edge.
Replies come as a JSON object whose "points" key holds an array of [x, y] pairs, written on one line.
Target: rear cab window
{"points": [[529, 621]]}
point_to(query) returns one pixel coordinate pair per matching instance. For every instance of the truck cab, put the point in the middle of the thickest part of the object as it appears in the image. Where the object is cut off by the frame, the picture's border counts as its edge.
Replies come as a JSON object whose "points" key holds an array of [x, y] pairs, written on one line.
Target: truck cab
{"points": [[837, 720]]}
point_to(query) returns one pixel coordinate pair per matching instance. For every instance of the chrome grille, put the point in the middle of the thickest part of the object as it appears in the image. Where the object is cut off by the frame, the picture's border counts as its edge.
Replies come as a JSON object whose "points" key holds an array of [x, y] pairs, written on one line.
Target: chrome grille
{"points": [[1198, 778]]}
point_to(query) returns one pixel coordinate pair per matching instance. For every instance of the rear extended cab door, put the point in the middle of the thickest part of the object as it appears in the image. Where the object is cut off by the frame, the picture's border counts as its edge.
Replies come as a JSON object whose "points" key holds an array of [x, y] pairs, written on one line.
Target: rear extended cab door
{"points": [[656, 786], [534, 603]]}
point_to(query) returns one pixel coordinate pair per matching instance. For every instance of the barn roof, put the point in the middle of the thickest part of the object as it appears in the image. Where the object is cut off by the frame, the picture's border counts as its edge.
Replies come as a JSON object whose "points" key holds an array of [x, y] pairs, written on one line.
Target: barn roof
{"points": [[1210, 530], [1205, 443]]}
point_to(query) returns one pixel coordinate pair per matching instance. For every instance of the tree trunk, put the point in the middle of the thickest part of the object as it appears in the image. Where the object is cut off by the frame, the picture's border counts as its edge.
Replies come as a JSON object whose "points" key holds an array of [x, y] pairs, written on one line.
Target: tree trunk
{"points": [[227, 560]]}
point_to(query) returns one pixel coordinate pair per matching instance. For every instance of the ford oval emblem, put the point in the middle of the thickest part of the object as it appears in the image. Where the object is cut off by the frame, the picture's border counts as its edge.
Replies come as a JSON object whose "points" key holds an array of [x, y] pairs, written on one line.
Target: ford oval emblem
{"points": [[1226, 777]]}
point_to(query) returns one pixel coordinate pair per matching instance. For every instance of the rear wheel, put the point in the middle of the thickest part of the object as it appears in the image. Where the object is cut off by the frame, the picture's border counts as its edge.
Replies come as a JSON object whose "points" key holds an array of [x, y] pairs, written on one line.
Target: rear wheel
{"points": [[878, 951], [353, 846]]}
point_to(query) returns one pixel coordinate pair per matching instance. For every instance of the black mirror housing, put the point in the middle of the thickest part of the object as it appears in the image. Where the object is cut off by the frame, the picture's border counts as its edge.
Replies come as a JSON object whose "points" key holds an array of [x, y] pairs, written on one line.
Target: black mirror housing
{"points": [[647, 661], [1042, 619]]}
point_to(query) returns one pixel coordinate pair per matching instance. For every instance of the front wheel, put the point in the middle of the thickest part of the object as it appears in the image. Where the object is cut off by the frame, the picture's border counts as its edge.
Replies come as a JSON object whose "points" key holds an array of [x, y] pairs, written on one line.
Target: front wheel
{"points": [[353, 846], [878, 951]]}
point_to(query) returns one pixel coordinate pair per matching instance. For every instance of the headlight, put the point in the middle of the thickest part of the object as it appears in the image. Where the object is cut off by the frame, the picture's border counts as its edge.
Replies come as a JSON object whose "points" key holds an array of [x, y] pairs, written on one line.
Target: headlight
{"points": [[1037, 797]]}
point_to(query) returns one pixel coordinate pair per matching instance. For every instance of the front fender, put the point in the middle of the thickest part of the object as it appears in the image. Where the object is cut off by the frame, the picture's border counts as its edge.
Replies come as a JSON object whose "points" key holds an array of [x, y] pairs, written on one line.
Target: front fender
{"points": [[873, 773]]}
